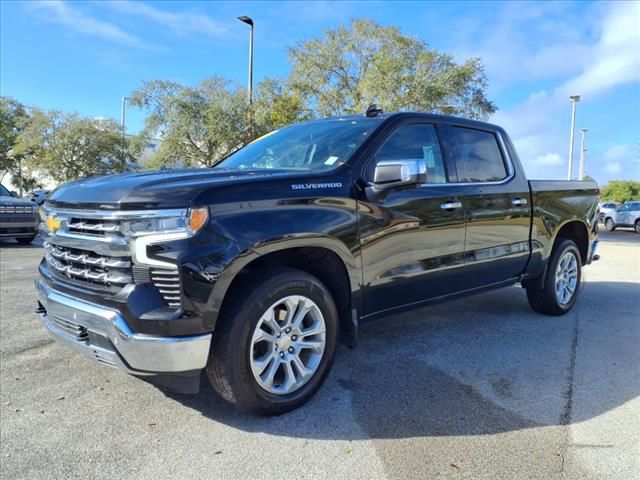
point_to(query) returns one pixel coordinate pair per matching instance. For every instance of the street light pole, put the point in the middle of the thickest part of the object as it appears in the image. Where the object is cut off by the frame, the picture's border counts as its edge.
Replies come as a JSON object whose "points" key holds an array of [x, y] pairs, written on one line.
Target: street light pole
{"points": [[582, 150], [249, 22], [574, 100], [124, 129]]}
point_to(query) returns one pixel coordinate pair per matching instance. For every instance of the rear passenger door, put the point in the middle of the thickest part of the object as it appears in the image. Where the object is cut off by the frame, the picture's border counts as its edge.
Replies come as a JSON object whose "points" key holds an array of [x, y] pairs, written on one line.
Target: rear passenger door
{"points": [[496, 203]]}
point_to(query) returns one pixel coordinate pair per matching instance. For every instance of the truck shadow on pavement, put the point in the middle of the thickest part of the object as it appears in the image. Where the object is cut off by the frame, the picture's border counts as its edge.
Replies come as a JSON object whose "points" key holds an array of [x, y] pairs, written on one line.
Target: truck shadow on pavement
{"points": [[477, 366]]}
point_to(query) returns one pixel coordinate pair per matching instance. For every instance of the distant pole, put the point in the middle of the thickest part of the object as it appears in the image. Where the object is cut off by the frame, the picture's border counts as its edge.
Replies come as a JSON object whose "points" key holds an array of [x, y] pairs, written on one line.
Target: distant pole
{"points": [[574, 100], [20, 176], [582, 150], [249, 22], [124, 128]]}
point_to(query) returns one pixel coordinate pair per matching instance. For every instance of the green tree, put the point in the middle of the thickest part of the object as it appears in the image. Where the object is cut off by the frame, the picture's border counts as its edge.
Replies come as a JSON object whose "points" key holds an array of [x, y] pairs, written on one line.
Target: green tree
{"points": [[621, 190], [67, 146], [276, 105], [198, 125], [349, 68], [14, 118]]}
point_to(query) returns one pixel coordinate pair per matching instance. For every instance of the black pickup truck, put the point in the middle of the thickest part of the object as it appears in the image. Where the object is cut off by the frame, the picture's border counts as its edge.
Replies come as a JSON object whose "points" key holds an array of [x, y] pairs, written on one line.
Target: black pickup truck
{"points": [[253, 269]]}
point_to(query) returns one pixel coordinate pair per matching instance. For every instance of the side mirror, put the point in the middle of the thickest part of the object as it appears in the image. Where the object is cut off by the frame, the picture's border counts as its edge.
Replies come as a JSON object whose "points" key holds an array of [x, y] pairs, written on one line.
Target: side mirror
{"points": [[14, 193], [398, 173]]}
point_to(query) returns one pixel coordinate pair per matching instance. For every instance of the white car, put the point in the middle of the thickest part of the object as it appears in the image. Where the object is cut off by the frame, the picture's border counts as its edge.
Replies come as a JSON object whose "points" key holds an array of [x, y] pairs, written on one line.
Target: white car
{"points": [[628, 215], [606, 209]]}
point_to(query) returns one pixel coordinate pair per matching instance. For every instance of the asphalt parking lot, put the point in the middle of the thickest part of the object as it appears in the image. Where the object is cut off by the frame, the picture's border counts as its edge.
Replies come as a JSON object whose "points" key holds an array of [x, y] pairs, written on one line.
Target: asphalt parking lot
{"points": [[478, 388]]}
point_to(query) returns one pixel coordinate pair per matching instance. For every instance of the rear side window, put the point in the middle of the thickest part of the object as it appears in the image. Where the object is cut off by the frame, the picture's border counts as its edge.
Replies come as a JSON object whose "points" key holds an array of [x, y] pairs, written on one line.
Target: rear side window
{"points": [[609, 205], [416, 141], [479, 158]]}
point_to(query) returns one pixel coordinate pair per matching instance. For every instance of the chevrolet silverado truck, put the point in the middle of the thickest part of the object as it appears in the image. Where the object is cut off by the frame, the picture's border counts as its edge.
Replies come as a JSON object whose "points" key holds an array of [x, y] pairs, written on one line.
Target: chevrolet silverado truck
{"points": [[252, 270]]}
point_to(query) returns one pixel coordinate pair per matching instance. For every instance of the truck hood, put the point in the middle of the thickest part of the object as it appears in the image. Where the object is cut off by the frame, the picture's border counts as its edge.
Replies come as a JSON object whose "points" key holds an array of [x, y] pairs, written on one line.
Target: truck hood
{"points": [[4, 200], [151, 189]]}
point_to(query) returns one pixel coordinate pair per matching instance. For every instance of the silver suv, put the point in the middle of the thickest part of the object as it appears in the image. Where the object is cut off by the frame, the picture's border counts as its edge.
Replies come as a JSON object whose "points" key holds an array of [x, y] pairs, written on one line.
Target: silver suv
{"points": [[607, 209], [628, 215]]}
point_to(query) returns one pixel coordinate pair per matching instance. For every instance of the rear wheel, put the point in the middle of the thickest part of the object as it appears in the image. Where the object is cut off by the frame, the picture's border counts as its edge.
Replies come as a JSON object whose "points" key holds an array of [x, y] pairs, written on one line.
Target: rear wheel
{"points": [[561, 283], [25, 240], [637, 226], [609, 224], [275, 345]]}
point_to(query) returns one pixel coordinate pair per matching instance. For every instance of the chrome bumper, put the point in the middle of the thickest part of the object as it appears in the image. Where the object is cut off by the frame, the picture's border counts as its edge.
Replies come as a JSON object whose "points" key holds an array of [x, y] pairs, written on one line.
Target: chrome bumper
{"points": [[103, 335]]}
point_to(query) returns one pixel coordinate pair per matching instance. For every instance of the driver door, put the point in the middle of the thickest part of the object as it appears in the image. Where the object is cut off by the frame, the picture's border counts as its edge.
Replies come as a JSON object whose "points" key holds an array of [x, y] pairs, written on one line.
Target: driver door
{"points": [[412, 236]]}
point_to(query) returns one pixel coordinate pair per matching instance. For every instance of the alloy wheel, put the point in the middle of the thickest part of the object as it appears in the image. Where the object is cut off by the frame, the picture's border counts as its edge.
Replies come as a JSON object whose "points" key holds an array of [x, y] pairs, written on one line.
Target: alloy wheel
{"points": [[566, 278], [287, 345]]}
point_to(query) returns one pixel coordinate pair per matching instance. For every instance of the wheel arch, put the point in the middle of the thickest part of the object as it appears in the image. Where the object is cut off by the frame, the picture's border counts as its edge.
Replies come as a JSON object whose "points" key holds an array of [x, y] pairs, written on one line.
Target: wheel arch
{"points": [[324, 257], [578, 232]]}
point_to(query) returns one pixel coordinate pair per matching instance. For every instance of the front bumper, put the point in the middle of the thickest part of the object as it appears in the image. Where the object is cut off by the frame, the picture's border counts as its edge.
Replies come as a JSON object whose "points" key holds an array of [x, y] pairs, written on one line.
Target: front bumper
{"points": [[103, 335]]}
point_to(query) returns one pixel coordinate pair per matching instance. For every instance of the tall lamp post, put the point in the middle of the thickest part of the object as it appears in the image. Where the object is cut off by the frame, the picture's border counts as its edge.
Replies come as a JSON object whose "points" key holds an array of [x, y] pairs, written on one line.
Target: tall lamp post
{"points": [[249, 22], [124, 129], [574, 100], [582, 150]]}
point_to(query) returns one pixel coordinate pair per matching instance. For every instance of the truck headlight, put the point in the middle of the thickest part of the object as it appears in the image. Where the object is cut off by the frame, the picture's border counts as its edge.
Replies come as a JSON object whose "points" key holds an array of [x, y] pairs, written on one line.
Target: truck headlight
{"points": [[189, 223]]}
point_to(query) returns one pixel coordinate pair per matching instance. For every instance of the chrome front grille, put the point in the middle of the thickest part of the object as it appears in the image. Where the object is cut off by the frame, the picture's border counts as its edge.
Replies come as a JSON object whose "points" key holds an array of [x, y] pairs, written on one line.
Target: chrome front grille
{"points": [[167, 282], [96, 249], [94, 226], [87, 266]]}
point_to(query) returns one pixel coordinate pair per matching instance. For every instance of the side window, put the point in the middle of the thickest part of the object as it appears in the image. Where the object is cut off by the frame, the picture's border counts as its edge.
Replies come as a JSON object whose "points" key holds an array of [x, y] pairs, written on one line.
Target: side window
{"points": [[479, 158], [417, 141]]}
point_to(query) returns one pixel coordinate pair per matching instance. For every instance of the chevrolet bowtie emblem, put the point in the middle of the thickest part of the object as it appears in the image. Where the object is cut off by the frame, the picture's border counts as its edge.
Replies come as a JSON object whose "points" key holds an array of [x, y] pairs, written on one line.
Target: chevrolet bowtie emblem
{"points": [[53, 224]]}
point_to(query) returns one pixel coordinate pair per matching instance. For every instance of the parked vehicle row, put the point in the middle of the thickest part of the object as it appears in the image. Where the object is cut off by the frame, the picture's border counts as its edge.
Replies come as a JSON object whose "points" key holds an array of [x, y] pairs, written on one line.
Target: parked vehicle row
{"points": [[607, 209], [18, 217]]}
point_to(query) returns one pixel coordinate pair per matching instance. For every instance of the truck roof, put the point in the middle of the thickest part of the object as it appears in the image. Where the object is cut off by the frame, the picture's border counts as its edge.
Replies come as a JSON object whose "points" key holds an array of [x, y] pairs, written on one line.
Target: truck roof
{"points": [[427, 116]]}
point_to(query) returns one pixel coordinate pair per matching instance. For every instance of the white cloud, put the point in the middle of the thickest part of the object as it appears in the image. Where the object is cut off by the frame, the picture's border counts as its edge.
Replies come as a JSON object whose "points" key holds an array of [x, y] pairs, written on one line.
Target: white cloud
{"points": [[549, 159], [540, 125], [623, 161], [615, 59], [619, 152], [60, 12], [613, 167], [181, 23]]}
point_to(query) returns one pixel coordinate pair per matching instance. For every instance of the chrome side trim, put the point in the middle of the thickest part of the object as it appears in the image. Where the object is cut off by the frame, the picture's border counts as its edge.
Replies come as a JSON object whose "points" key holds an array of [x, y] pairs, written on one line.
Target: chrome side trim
{"points": [[133, 352]]}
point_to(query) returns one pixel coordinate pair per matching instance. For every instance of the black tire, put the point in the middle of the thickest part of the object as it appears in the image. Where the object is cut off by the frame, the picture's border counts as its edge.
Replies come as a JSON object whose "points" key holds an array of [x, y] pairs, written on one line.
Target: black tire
{"points": [[609, 224], [637, 226], [229, 367], [25, 240], [545, 300]]}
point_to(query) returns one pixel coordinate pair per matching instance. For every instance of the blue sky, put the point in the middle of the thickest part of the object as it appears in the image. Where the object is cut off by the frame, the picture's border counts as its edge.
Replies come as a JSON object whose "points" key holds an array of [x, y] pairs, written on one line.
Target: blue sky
{"points": [[84, 56]]}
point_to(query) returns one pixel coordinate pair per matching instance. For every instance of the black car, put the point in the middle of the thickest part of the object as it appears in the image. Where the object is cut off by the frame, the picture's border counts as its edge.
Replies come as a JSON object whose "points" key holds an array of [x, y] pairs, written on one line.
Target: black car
{"points": [[253, 269], [18, 217]]}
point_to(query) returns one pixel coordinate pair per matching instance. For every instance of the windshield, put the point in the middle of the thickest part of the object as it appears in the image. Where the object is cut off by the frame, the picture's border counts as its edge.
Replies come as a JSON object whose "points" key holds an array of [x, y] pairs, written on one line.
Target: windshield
{"points": [[319, 145], [4, 192]]}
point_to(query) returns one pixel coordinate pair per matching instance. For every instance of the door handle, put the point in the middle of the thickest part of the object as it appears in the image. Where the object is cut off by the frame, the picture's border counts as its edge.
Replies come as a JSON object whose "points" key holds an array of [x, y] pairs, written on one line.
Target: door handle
{"points": [[519, 202], [450, 205]]}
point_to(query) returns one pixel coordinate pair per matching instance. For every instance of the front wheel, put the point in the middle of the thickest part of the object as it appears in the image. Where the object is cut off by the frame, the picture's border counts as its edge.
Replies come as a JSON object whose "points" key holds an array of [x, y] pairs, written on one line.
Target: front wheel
{"points": [[561, 283], [637, 226], [275, 344], [609, 224]]}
